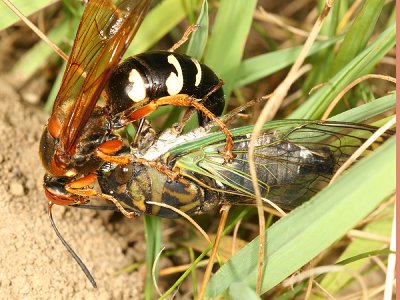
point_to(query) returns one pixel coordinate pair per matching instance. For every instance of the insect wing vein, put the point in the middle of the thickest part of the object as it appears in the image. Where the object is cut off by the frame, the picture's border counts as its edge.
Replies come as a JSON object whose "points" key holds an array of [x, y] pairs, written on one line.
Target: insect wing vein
{"points": [[105, 31]]}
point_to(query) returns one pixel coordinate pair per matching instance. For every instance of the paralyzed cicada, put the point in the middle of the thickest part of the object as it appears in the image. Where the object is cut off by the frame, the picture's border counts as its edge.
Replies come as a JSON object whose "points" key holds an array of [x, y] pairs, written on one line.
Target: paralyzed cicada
{"points": [[294, 160]]}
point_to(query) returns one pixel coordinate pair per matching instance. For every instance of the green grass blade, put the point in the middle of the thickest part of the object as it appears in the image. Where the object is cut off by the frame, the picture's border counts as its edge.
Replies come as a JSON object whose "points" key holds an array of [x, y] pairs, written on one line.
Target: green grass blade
{"points": [[359, 33], [152, 226], [240, 291], [334, 282], [257, 67], [228, 38], [198, 39], [296, 239], [39, 54], [158, 22], [8, 18], [316, 105], [368, 110]]}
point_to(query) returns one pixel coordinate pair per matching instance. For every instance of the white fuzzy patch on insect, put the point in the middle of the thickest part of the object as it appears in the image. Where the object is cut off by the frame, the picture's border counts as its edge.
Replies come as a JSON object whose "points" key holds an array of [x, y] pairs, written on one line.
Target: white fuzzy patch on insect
{"points": [[219, 183], [174, 81], [137, 90], [198, 74], [167, 140], [304, 152]]}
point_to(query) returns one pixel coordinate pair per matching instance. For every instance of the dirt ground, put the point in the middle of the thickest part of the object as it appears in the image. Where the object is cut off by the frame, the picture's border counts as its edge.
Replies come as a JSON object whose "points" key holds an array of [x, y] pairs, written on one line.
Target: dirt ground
{"points": [[35, 265]]}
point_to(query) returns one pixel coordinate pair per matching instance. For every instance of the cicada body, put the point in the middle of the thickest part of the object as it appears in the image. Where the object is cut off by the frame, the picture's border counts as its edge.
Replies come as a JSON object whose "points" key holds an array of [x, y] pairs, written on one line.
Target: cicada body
{"points": [[294, 160]]}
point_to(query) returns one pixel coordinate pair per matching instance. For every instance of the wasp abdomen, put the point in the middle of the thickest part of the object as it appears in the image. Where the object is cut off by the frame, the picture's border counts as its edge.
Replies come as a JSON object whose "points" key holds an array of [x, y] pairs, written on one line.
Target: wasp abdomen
{"points": [[157, 74]]}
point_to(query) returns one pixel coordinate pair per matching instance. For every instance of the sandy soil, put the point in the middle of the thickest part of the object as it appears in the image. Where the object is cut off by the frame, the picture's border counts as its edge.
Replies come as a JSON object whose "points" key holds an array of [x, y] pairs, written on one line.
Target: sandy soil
{"points": [[34, 263]]}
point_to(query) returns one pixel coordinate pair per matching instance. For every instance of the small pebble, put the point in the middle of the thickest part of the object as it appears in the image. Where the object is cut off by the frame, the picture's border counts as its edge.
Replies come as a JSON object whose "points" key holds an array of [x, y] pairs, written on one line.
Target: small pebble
{"points": [[16, 189]]}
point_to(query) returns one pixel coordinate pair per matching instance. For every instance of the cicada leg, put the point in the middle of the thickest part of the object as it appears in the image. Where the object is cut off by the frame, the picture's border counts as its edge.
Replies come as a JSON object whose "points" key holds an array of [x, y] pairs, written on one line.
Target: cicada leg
{"points": [[185, 37], [145, 135]]}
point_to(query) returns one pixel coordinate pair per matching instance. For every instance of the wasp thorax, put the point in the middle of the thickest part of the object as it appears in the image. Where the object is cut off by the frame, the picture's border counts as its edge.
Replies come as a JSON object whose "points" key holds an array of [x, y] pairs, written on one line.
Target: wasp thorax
{"points": [[156, 74]]}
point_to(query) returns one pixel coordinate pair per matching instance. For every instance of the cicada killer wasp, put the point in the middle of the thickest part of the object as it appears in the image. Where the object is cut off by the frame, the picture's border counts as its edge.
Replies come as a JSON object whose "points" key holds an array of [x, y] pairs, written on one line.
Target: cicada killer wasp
{"points": [[80, 134]]}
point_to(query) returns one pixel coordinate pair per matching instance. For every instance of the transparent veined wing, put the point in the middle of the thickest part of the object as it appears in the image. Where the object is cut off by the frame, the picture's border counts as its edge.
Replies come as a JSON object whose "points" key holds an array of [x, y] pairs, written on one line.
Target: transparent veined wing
{"points": [[105, 31], [294, 159]]}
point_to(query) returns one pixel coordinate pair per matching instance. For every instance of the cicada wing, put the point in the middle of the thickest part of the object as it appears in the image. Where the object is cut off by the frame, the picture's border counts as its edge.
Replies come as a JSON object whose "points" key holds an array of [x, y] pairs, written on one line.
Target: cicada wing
{"points": [[293, 162], [105, 31]]}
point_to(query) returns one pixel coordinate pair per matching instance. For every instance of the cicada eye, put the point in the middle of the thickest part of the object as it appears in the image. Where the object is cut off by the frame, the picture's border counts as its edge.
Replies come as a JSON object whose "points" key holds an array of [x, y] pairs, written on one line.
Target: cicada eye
{"points": [[136, 88], [123, 174]]}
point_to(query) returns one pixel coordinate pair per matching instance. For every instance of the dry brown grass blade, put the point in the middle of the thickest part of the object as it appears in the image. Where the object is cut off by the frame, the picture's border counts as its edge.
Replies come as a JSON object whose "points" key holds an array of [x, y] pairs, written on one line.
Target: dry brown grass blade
{"points": [[267, 17], [354, 233], [268, 113], [36, 30], [391, 265], [153, 271], [234, 236], [180, 269], [207, 273], [184, 215], [349, 87], [326, 269], [310, 283], [348, 15]]}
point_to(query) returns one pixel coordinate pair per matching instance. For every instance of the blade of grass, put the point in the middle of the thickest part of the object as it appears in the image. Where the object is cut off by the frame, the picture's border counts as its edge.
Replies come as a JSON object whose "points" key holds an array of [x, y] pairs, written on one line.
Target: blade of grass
{"points": [[158, 22], [359, 33], [7, 18], [198, 39], [334, 282], [368, 110], [226, 45], [317, 103], [152, 226], [240, 291], [260, 66], [315, 225]]}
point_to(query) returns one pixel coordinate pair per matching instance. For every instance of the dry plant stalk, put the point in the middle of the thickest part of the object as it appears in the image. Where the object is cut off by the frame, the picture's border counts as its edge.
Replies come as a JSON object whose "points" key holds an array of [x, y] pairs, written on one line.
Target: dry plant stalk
{"points": [[36, 30], [268, 112], [349, 87], [207, 273]]}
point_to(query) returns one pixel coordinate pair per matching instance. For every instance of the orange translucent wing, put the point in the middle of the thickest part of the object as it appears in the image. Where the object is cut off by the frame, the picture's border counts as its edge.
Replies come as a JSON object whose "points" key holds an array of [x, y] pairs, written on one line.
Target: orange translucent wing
{"points": [[105, 31]]}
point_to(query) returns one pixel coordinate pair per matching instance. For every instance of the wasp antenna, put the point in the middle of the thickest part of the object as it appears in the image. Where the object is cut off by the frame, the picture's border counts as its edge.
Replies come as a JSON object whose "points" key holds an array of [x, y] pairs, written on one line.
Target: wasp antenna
{"points": [[69, 249]]}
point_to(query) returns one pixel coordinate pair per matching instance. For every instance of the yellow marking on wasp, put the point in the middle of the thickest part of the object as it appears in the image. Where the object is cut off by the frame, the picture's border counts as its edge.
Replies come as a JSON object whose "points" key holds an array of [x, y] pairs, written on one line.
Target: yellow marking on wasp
{"points": [[198, 74], [137, 90], [174, 81]]}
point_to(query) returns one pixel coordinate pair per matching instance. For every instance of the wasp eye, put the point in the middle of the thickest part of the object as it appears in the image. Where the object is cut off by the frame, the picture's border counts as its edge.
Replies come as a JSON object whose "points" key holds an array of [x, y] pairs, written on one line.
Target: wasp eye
{"points": [[136, 89]]}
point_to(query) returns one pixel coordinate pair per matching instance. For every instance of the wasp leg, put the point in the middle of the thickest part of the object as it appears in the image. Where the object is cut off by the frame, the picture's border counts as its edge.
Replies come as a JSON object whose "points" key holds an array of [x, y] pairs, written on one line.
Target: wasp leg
{"points": [[189, 113], [184, 100], [81, 188], [113, 146], [185, 37], [104, 150], [172, 175]]}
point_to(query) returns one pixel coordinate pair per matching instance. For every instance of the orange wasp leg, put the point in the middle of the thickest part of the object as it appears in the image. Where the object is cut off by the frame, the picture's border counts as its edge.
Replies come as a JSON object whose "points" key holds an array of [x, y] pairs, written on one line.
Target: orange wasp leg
{"points": [[185, 100], [173, 175], [80, 187], [113, 146], [104, 150]]}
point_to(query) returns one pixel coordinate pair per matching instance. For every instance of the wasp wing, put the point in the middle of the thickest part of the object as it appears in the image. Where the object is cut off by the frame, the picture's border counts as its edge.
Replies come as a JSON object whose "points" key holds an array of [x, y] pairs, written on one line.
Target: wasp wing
{"points": [[294, 160], [105, 31]]}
